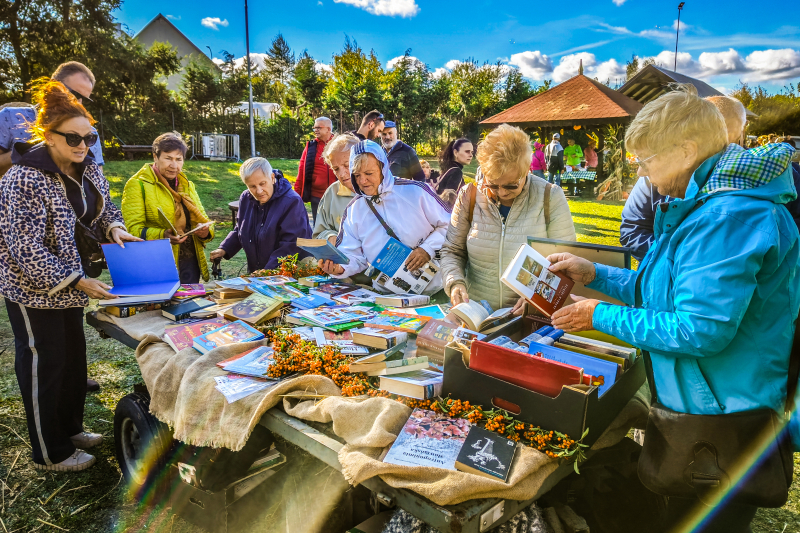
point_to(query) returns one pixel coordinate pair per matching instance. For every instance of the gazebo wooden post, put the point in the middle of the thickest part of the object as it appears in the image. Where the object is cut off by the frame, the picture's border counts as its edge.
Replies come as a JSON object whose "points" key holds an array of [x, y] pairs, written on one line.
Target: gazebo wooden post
{"points": [[601, 144]]}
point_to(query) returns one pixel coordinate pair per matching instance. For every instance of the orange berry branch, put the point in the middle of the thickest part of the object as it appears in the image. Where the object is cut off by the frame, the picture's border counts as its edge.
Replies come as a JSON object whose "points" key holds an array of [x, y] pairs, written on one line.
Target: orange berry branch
{"points": [[292, 267]]}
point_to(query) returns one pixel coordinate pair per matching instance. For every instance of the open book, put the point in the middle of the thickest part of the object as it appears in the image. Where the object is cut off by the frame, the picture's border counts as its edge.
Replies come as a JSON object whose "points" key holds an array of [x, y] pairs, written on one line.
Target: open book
{"points": [[322, 249], [529, 276], [477, 318], [167, 222]]}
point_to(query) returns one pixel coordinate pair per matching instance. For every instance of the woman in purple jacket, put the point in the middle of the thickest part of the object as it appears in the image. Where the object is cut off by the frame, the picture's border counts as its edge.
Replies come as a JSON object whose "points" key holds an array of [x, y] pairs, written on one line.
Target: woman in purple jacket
{"points": [[271, 217]]}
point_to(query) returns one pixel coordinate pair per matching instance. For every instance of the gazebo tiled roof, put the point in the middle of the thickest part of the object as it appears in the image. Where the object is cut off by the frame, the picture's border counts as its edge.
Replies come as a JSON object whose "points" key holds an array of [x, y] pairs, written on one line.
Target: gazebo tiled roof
{"points": [[577, 101]]}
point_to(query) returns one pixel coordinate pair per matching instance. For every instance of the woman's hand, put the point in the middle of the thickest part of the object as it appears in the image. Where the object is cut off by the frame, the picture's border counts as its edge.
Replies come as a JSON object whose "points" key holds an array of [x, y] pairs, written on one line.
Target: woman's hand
{"points": [[576, 268], [173, 239], [575, 317], [203, 232], [219, 253], [458, 294], [331, 268], [519, 307], [95, 289], [417, 259], [332, 240], [119, 235]]}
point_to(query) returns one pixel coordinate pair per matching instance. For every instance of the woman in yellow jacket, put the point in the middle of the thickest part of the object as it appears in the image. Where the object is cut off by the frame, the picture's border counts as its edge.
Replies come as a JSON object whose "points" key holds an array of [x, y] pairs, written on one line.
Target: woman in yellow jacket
{"points": [[164, 185]]}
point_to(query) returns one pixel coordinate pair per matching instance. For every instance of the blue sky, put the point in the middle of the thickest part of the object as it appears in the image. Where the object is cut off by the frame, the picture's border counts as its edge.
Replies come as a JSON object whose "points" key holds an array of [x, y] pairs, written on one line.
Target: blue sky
{"points": [[759, 45]]}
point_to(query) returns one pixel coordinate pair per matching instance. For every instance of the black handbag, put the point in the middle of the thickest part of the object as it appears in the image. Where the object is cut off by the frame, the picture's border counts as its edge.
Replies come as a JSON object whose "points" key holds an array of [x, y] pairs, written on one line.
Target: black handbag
{"points": [[745, 457]]}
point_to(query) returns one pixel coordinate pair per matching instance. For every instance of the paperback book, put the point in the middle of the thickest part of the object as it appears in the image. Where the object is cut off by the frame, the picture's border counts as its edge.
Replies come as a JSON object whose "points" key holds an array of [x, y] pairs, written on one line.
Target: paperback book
{"points": [[331, 290], [280, 292], [429, 439], [235, 387], [125, 311], [322, 249], [403, 300], [214, 310], [329, 316], [395, 352], [233, 283], [477, 318], [314, 281], [181, 336], [167, 222], [254, 309], [274, 280], [604, 373], [357, 296], [393, 321], [433, 339], [312, 301], [487, 454], [529, 276], [190, 290], [255, 363], [343, 340], [229, 334], [394, 275]]}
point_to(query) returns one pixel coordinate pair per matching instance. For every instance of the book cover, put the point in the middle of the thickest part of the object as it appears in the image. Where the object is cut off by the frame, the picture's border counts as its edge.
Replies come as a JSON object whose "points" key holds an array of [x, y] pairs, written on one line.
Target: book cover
{"points": [[181, 336], [356, 296], [329, 316], [436, 335], [253, 309], [378, 338], [403, 300], [322, 249], [312, 301], [342, 340], [395, 352], [429, 439], [394, 276], [228, 334], [190, 290], [397, 366], [432, 311], [235, 387], [233, 283], [224, 362], [142, 272], [329, 290], [605, 373], [275, 280], [419, 384], [397, 322], [487, 454], [185, 309], [314, 281], [214, 310], [528, 275], [277, 291], [255, 363]]}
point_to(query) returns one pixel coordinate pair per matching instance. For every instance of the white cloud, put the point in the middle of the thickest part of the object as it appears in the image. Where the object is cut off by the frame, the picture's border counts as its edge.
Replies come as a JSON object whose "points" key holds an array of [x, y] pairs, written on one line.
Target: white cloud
{"points": [[534, 65], [764, 65], [728, 62], [322, 67], [256, 59], [453, 63], [415, 63], [609, 71], [173, 17], [569, 64], [389, 8], [618, 2], [214, 22], [439, 72]]}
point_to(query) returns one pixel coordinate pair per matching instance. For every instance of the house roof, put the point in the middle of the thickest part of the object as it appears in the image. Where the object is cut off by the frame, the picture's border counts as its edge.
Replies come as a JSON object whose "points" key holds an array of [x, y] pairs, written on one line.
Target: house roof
{"points": [[577, 101], [162, 18]]}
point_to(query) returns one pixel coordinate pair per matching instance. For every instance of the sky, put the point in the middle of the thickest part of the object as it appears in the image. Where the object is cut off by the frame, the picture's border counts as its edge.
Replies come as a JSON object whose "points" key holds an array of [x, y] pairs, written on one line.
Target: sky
{"points": [[723, 43]]}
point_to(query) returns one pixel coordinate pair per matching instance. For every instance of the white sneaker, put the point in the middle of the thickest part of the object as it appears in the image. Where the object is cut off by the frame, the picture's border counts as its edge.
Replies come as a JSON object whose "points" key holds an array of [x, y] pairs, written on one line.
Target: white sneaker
{"points": [[86, 440], [80, 460]]}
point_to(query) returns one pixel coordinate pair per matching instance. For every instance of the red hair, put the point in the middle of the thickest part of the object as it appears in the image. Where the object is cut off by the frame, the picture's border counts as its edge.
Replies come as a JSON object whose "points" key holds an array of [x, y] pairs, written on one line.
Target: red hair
{"points": [[56, 104]]}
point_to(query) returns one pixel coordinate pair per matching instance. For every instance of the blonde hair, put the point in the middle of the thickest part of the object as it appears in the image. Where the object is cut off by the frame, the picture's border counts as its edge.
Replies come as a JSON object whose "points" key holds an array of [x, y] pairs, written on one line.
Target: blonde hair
{"points": [[360, 159], [505, 149], [675, 117], [733, 113], [424, 163], [340, 143]]}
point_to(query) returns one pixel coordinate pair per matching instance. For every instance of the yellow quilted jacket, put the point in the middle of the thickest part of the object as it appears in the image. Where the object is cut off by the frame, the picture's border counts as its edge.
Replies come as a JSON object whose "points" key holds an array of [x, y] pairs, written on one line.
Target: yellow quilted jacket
{"points": [[142, 197]]}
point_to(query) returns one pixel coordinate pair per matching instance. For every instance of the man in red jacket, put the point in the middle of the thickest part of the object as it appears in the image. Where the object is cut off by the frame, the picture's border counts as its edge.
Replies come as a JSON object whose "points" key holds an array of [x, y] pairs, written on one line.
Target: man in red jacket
{"points": [[314, 175]]}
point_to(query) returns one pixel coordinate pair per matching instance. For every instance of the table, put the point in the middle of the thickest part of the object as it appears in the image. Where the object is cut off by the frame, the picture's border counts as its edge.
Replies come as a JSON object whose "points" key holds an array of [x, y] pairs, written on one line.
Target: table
{"points": [[234, 207], [472, 516]]}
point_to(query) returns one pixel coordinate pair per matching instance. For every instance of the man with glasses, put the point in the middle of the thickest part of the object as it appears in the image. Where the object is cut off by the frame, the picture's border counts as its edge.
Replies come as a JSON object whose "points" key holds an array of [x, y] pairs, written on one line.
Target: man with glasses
{"points": [[371, 127], [14, 120], [314, 175]]}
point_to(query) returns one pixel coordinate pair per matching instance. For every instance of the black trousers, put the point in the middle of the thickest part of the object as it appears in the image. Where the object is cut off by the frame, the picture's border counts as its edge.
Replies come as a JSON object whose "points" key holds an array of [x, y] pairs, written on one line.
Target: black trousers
{"points": [[721, 519], [51, 371], [314, 206]]}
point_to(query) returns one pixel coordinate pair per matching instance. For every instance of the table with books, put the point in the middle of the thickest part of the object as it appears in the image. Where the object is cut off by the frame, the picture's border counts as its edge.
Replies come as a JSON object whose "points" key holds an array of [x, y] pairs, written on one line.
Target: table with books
{"points": [[368, 383]]}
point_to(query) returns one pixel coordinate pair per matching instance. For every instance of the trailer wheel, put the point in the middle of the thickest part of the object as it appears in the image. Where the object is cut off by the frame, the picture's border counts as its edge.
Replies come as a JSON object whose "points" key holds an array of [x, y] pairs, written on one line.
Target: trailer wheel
{"points": [[141, 443]]}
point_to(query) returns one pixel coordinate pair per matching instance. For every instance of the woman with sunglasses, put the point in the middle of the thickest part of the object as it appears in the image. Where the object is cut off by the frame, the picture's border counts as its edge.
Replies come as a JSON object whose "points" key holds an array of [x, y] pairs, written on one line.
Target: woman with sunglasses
{"points": [[511, 204], [54, 210]]}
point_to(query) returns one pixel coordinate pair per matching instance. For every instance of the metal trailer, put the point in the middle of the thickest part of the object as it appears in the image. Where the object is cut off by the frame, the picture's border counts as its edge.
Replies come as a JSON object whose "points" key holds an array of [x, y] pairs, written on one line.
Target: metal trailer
{"points": [[474, 516], [215, 146]]}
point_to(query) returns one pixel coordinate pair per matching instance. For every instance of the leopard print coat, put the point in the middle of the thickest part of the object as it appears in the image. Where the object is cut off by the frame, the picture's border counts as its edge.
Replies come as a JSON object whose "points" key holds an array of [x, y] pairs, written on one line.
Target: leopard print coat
{"points": [[39, 260]]}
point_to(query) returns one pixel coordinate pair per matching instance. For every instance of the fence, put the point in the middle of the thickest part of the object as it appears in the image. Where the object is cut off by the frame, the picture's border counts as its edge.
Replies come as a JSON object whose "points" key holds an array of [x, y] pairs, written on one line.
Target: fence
{"points": [[216, 146]]}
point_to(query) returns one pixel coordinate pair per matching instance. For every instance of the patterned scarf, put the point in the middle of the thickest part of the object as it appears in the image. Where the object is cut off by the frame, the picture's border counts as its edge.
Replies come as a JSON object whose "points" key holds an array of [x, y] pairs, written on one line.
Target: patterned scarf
{"points": [[181, 198], [739, 169]]}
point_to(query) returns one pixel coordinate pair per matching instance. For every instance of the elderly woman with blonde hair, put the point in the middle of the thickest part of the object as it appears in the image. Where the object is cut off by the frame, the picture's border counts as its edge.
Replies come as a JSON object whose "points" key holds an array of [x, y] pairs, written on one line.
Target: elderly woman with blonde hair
{"points": [[339, 194], [270, 219], [509, 205], [712, 306]]}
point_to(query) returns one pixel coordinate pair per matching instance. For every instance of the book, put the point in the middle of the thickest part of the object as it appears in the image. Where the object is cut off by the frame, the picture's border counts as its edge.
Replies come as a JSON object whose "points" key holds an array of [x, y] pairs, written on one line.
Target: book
{"points": [[419, 384], [228, 334], [125, 311], [306, 333], [181, 336], [378, 338], [395, 352], [322, 249], [528, 275], [477, 318], [621, 361], [599, 346], [185, 309], [254, 309], [395, 366], [605, 372], [224, 362], [255, 363], [142, 272], [403, 300], [432, 311], [235, 387], [233, 283], [311, 301], [314, 281], [228, 294], [429, 439], [333, 289], [343, 340], [214, 310], [274, 280], [279, 292], [190, 290], [487, 454], [356, 296], [328, 316], [299, 320], [392, 321], [395, 276], [164, 219], [434, 337]]}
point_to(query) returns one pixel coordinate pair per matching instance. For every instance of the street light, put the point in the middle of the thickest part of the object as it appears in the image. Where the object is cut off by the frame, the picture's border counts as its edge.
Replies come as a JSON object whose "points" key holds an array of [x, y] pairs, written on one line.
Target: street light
{"points": [[210, 53], [249, 83], [677, 32]]}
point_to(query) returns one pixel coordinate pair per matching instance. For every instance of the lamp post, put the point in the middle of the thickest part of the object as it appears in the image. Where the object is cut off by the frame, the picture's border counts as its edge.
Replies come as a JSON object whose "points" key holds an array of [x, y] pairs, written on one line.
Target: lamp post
{"points": [[210, 53], [249, 83], [677, 33]]}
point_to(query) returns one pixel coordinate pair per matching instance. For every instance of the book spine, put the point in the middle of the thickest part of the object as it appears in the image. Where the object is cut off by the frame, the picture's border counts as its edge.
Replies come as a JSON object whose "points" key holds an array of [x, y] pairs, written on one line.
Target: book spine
{"points": [[423, 342]]}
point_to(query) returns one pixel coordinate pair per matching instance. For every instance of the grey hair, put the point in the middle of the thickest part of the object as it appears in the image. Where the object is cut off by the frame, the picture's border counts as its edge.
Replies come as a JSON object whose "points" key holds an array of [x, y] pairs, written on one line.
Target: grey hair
{"points": [[328, 122], [253, 164], [340, 143]]}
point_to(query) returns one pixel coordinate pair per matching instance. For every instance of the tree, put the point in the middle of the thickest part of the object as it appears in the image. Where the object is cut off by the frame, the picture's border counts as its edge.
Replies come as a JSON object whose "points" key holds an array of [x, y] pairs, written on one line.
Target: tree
{"points": [[308, 85], [278, 67], [354, 83], [633, 66], [405, 90], [475, 91]]}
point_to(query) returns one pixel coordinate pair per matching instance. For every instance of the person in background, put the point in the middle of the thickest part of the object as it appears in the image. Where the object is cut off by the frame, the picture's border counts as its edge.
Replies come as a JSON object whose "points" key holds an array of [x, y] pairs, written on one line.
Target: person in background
{"points": [[403, 160], [339, 194], [574, 154], [591, 154], [53, 192], [510, 206], [410, 209], [554, 156], [14, 121], [452, 159], [430, 174], [538, 164], [721, 269], [371, 126], [271, 218], [314, 176], [163, 185]]}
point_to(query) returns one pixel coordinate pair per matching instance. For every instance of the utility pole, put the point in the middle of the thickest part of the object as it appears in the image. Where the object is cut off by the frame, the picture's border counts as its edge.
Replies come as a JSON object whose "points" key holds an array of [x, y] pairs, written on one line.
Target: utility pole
{"points": [[250, 83], [677, 33]]}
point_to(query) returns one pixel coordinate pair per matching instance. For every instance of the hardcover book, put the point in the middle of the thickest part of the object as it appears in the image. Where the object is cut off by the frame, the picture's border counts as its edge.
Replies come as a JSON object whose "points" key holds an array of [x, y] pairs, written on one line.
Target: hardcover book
{"points": [[429, 439], [395, 276], [329, 316], [214, 310], [435, 336], [185, 309], [181, 336], [356, 296], [403, 300], [362, 363], [398, 366], [392, 321], [486, 454], [312, 301], [605, 373], [279, 292], [125, 311], [142, 272], [419, 384], [228, 334], [528, 275], [378, 338], [322, 249], [343, 340], [254, 309]]}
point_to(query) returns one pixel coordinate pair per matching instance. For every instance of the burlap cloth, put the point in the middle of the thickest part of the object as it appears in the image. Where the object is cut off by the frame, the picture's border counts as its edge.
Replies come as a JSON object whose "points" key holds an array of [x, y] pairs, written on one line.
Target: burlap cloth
{"points": [[183, 395]]}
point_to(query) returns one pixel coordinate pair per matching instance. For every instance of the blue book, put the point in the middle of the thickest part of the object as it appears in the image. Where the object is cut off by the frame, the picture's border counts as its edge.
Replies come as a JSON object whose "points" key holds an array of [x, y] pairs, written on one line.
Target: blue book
{"points": [[279, 292], [433, 311], [255, 363], [232, 333], [392, 257], [590, 365], [322, 249], [312, 301], [143, 271]]}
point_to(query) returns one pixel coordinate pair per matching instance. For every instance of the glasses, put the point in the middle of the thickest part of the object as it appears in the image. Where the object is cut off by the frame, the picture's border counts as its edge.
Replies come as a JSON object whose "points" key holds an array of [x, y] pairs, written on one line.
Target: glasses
{"points": [[315, 128], [511, 187], [78, 95], [74, 140], [643, 162]]}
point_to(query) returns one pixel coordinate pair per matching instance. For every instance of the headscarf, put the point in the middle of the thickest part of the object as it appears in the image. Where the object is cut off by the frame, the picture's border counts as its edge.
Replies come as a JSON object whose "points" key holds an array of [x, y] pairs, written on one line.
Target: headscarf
{"points": [[387, 183], [181, 199]]}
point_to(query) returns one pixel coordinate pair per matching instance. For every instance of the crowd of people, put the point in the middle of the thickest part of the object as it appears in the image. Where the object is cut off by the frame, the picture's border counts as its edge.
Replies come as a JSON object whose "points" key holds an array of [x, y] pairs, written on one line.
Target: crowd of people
{"points": [[712, 303]]}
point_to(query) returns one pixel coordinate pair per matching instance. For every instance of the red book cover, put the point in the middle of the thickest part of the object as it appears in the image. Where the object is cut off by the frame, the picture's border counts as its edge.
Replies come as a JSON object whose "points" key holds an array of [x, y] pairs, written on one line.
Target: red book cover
{"points": [[182, 336], [189, 290], [532, 373]]}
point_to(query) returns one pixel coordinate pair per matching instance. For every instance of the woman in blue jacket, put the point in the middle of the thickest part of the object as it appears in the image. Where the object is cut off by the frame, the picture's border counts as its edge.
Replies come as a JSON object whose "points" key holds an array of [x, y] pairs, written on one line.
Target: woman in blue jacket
{"points": [[270, 219], [715, 299]]}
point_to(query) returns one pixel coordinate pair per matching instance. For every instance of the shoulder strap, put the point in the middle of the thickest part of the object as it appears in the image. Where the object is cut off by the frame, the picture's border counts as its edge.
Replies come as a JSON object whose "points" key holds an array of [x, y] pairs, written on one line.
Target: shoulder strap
{"points": [[380, 219], [547, 191], [472, 191], [794, 370]]}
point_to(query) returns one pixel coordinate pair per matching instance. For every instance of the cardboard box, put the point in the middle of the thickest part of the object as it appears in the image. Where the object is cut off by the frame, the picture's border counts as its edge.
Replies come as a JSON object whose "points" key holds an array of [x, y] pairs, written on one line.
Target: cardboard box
{"points": [[571, 412]]}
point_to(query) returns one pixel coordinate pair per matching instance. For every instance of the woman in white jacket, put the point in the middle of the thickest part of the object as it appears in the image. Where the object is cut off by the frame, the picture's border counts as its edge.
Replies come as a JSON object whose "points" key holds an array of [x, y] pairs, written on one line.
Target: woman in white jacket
{"points": [[414, 213]]}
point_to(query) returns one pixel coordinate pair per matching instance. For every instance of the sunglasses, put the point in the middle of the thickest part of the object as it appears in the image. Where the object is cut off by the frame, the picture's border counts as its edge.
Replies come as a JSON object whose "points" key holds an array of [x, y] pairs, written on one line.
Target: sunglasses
{"points": [[74, 140], [512, 187], [78, 95]]}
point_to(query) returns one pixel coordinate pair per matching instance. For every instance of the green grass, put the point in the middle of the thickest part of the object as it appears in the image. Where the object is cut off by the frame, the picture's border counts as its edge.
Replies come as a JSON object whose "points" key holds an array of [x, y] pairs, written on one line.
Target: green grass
{"points": [[96, 496]]}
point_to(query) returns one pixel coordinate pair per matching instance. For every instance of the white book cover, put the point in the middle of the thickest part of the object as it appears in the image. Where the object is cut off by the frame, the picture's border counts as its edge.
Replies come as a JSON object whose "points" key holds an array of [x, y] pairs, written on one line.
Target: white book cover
{"points": [[357, 296], [429, 439], [346, 346], [235, 387], [529, 276]]}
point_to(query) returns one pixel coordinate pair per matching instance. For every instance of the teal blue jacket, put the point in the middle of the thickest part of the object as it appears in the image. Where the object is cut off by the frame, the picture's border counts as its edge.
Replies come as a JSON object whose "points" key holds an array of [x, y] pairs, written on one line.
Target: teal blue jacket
{"points": [[718, 294]]}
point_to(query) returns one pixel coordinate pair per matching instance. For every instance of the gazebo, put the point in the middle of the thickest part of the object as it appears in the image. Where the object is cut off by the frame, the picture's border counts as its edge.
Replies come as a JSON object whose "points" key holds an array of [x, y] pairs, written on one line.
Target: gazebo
{"points": [[579, 101]]}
